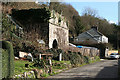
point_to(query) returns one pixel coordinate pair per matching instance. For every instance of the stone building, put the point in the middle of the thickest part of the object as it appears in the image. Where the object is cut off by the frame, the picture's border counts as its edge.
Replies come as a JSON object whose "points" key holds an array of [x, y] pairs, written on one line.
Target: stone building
{"points": [[54, 33]]}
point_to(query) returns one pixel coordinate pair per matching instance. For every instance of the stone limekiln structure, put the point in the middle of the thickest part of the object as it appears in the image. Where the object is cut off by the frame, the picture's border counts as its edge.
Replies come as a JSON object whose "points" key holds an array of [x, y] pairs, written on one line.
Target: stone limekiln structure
{"points": [[54, 33], [58, 31]]}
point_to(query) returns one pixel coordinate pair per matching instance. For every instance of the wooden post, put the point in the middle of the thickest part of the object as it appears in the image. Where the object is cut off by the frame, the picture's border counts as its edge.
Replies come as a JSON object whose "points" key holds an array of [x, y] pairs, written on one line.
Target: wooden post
{"points": [[50, 68], [32, 58], [60, 57], [40, 56]]}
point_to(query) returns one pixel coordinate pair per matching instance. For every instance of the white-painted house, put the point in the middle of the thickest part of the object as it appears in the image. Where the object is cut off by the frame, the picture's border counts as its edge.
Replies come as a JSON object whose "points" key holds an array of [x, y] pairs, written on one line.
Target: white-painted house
{"points": [[92, 36]]}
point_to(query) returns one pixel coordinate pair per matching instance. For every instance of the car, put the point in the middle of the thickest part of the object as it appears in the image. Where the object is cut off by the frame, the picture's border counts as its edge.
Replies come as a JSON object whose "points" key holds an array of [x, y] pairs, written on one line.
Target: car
{"points": [[114, 55]]}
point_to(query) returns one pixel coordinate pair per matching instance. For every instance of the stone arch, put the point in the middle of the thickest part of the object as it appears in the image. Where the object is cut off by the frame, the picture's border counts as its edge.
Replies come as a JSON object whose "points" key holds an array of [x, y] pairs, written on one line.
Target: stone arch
{"points": [[55, 44]]}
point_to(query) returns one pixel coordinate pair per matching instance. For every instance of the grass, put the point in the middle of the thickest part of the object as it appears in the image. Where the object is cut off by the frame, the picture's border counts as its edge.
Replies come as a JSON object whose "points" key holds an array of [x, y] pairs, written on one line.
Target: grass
{"points": [[20, 66], [95, 60], [45, 75], [57, 67]]}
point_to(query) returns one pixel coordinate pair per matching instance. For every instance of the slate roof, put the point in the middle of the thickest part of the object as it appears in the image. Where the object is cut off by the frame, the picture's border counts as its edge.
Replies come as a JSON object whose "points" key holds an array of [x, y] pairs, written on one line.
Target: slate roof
{"points": [[94, 32]]}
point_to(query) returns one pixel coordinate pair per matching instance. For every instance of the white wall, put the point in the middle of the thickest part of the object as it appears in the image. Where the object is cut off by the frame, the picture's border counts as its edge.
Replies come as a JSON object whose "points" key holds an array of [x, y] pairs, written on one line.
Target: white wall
{"points": [[52, 37], [104, 39], [61, 36]]}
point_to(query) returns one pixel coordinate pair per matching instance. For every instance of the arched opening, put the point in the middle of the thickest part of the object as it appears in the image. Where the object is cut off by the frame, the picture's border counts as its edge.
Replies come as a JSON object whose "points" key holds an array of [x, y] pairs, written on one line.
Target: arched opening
{"points": [[55, 44]]}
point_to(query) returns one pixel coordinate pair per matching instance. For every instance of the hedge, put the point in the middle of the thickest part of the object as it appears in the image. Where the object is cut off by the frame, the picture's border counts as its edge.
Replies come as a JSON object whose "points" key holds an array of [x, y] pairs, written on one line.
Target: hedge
{"points": [[7, 60], [5, 63]]}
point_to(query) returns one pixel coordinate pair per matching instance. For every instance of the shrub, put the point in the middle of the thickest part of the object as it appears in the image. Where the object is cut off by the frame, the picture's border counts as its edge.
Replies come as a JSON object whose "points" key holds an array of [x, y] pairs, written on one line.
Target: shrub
{"points": [[59, 51], [65, 56], [7, 59], [60, 64], [86, 59], [97, 58], [75, 58], [39, 63], [55, 53]]}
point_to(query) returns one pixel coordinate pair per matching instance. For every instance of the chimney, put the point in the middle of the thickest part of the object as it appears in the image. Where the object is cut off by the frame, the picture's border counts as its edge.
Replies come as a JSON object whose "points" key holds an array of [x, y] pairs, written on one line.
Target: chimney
{"points": [[94, 27]]}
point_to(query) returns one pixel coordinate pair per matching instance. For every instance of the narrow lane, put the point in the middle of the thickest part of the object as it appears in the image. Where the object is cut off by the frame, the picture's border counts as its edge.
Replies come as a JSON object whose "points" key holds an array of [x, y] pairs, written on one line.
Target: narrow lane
{"points": [[102, 69]]}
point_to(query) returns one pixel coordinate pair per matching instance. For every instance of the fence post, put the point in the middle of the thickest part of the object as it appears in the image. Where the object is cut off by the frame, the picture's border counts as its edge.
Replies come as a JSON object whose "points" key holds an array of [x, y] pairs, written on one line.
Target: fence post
{"points": [[50, 67], [60, 57], [40, 56]]}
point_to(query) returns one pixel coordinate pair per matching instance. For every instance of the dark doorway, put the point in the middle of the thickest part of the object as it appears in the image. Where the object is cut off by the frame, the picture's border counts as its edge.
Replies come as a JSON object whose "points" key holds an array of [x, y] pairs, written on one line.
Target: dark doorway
{"points": [[55, 44]]}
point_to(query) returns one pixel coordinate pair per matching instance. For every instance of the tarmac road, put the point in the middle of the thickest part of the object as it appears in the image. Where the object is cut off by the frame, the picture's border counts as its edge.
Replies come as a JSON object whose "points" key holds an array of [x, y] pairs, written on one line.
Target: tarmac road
{"points": [[102, 69]]}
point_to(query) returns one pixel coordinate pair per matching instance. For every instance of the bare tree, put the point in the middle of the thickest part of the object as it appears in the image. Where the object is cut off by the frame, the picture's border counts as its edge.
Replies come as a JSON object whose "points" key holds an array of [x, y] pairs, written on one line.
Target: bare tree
{"points": [[90, 11]]}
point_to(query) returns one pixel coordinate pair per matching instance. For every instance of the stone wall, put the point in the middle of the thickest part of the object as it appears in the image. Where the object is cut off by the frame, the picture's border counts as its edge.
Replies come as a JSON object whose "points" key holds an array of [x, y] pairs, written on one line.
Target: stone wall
{"points": [[84, 51]]}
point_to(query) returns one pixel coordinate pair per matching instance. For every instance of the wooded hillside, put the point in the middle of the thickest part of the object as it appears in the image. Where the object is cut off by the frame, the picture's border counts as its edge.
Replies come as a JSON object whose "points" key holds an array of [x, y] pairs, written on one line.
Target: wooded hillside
{"points": [[80, 23], [76, 23]]}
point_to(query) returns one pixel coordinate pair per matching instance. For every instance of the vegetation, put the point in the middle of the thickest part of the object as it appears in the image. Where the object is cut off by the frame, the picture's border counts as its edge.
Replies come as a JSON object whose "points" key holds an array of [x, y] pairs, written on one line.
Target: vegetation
{"points": [[70, 59], [75, 58], [27, 42], [79, 28], [7, 60], [4, 66], [32, 30], [20, 66], [41, 15], [60, 64], [76, 23], [7, 28], [57, 65], [80, 23]]}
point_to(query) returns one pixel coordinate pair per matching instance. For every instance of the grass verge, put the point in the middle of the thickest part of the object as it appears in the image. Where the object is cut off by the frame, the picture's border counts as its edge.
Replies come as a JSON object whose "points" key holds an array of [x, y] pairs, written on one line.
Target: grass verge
{"points": [[20, 66]]}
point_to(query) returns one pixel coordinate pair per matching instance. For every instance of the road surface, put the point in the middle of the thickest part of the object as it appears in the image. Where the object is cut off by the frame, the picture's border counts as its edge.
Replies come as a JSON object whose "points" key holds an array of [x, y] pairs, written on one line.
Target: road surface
{"points": [[102, 69]]}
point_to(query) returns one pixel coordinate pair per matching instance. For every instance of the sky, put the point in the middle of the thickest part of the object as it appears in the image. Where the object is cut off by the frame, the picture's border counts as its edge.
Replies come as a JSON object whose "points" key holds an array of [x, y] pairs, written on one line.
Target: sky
{"points": [[107, 10]]}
